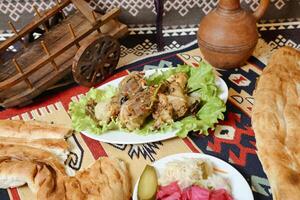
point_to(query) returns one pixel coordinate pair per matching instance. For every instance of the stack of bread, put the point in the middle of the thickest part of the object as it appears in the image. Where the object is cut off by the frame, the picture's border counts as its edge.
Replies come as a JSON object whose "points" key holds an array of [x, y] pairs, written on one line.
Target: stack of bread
{"points": [[40, 135], [30, 153]]}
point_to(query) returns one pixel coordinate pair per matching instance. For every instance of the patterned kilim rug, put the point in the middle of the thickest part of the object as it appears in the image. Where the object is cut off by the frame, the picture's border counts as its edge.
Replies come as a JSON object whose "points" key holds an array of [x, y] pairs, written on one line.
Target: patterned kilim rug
{"points": [[233, 140]]}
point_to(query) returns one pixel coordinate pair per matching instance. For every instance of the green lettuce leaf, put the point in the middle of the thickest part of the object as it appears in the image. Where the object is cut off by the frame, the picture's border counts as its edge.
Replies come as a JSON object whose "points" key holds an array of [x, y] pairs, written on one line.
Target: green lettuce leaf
{"points": [[161, 75], [81, 121], [201, 75], [202, 81], [190, 123], [148, 128], [205, 119], [212, 111]]}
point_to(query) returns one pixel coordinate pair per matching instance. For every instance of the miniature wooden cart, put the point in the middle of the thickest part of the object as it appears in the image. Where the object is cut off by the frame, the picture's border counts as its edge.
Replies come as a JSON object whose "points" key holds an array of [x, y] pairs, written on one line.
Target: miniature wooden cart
{"points": [[84, 43]]}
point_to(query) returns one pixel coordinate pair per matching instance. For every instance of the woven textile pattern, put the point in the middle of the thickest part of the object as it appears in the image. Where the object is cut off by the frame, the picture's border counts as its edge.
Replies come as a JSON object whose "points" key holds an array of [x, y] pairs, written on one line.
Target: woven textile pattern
{"points": [[143, 11]]}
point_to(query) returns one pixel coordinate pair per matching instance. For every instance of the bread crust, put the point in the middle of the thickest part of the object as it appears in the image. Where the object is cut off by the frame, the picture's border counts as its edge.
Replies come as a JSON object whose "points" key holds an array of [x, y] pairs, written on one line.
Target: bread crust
{"points": [[107, 178], [276, 123], [32, 129], [58, 147]]}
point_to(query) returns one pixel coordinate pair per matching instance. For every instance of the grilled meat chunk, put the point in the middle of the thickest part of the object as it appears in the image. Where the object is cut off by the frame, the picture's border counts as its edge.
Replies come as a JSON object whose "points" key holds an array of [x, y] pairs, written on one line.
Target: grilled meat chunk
{"points": [[163, 111], [136, 109], [172, 102], [134, 102], [131, 85], [107, 110], [176, 94], [180, 78]]}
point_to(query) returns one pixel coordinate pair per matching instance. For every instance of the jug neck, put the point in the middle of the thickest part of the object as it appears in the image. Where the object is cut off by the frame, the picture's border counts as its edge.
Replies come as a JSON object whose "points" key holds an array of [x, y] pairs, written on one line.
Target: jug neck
{"points": [[229, 4]]}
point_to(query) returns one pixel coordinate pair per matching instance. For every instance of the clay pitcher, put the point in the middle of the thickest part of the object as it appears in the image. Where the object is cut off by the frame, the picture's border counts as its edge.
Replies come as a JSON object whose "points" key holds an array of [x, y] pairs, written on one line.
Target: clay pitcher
{"points": [[228, 35]]}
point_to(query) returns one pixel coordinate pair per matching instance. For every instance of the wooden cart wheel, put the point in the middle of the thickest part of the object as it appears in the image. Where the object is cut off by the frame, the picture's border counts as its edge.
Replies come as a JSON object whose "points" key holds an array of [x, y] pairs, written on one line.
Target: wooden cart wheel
{"points": [[96, 60]]}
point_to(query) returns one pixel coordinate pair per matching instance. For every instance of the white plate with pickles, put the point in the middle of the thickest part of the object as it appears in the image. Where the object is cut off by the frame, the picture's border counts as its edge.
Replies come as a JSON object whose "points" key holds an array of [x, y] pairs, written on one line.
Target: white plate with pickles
{"points": [[193, 174]]}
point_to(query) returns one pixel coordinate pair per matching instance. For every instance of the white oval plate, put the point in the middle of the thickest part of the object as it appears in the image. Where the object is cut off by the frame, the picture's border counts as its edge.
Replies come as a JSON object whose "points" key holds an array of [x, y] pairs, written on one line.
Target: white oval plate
{"points": [[240, 189], [123, 137]]}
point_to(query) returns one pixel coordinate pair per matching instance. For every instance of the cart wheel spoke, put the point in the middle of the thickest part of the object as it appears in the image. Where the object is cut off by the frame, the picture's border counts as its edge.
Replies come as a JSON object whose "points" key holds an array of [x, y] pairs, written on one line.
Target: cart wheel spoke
{"points": [[90, 73], [94, 76], [111, 57], [98, 71], [85, 64], [85, 70], [96, 60]]}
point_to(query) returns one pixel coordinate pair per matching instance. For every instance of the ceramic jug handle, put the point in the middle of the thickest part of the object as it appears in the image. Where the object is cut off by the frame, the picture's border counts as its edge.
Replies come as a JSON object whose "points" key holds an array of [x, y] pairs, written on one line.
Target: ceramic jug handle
{"points": [[261, 9]]}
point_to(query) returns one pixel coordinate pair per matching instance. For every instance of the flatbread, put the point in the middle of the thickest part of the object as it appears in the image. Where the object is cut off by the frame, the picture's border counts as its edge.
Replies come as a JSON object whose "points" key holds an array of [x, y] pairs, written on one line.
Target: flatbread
{"points": [[37, 134], [107, 178], [58, 147], [32, 129], [19, 152], [276, 122]]}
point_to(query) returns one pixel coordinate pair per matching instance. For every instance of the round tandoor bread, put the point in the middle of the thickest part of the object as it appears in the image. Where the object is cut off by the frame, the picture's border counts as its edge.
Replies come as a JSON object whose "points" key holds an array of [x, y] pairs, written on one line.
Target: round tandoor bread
{"points": [[276, 122]]}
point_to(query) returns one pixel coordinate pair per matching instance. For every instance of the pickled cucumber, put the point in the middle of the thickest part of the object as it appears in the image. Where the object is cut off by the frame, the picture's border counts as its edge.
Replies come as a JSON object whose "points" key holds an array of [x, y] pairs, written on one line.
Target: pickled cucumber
{"points": [[148, 184]]}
